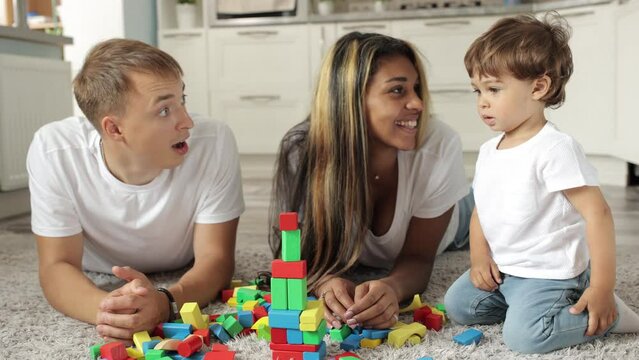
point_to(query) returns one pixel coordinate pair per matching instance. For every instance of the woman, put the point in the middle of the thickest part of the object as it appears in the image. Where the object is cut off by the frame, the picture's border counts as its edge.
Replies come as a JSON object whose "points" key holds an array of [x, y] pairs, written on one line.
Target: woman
{"points": [[374, 180]]}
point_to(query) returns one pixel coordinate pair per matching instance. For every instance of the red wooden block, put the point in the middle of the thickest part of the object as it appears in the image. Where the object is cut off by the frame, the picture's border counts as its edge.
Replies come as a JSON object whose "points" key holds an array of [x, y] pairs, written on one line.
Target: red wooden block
{"points": [[113, 351], [246, 331], [433, 322], [219, 347], [296, 348], [219, 355], [226, 295], [267, 297], [288, 269], [213, 317], [205, 334], [346, 354], [288, 221], [287, 355], [419, 315], [259, 312], [278, 336], [190, 345], [158, 330]]}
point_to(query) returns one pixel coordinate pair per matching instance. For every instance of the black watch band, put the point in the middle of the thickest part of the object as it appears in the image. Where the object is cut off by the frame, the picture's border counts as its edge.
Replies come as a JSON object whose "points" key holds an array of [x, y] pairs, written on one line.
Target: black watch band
{"points": [[173, 310]]}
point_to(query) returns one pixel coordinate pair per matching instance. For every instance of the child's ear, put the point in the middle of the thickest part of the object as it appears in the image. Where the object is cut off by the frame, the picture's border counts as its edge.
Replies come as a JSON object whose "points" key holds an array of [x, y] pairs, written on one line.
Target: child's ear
{"points": [[541, 86], [110, 127]]}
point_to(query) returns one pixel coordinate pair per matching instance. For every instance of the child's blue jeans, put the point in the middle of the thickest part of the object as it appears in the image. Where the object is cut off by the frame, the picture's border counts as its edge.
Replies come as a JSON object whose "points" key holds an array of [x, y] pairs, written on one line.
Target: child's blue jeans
{"points": [[534, 311]]}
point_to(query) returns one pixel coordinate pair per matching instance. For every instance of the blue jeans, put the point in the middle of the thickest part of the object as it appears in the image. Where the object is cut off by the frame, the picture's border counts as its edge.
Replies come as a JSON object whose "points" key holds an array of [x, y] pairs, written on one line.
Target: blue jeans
{"points": [[465, 206], [534, 311]]}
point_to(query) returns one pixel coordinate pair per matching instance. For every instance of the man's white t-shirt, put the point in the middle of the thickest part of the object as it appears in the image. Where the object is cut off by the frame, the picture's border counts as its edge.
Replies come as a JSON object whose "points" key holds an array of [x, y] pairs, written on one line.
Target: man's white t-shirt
{"points": [[149, 227], [531, 227], [431, 180]]}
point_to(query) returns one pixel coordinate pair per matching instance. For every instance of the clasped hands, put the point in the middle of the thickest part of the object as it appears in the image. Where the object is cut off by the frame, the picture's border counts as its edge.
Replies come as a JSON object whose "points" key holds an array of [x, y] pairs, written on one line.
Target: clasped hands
{"points": [[136, 306], [372, 304]]}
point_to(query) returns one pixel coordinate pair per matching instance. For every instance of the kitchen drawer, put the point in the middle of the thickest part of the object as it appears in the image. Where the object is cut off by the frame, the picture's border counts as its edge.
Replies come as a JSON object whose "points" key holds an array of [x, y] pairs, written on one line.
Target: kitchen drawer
{"points": [[380, 27]]}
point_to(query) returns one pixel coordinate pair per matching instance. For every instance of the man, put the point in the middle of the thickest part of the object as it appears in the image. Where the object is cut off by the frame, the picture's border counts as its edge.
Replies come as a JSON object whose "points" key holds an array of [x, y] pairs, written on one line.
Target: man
{"points": [[139, 184]]}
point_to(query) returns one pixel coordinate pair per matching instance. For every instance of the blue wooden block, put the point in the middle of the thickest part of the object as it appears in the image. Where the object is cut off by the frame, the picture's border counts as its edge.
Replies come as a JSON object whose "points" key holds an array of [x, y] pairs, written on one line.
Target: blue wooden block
{"points": [[375, 333], [468, 337], [176, 330], [294, 336], [351, 342], [220, 332], [285, 319], [196, 356], [267, 306], [425, 358], [319, 355], [245, 318], [148, 345]]}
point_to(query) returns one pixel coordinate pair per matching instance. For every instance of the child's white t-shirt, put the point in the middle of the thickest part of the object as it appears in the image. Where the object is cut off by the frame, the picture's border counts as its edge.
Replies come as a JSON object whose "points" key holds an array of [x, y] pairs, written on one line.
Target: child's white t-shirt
{"points": [[148, 227], [531, 227], [430, 181]]}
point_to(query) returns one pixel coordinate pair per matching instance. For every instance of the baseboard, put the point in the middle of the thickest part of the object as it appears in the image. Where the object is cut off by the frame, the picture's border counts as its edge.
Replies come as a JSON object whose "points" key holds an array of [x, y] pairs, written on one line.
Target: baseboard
{"points": [[14, 203]]}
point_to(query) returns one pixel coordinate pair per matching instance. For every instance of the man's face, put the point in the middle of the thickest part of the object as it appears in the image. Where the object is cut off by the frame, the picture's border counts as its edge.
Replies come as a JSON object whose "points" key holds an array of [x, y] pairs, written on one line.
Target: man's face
{"points": [[155, 124]]}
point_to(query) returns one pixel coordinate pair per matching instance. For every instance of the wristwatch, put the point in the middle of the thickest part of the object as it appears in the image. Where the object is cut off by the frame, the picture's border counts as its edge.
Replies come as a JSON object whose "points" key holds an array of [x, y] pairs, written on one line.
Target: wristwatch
{"points": [[173, 310]]}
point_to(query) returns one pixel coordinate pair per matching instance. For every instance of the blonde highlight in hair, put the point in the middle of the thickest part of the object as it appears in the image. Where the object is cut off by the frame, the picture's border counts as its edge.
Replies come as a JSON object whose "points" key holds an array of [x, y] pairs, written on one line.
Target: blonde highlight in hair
{"points": [[322, 165], [528, 49]]}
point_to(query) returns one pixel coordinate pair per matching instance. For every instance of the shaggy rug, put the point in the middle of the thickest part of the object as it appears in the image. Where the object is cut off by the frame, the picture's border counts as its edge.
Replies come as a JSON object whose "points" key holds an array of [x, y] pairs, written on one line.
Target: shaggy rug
{"points": [[31, 329]]}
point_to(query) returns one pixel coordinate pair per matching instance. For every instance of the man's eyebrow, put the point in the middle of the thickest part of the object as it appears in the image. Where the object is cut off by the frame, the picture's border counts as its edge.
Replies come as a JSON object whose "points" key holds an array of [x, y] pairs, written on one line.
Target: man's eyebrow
{"points": [[162, 98]]}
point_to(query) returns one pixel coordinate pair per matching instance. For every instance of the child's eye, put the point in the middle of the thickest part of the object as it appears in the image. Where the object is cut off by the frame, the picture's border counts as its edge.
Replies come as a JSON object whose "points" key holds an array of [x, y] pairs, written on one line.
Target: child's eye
{"points": [[493, 89], [476, 91], [164, 112]]}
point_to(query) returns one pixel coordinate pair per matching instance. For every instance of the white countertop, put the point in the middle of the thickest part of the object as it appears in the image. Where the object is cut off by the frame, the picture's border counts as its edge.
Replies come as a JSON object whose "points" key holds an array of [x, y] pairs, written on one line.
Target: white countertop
{"points": [[7, 32]]}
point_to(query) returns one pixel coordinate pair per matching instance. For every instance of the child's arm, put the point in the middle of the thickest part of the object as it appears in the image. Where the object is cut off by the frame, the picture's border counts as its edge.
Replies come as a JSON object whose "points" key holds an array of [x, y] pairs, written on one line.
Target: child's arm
{"points": [[484, 273], [599, 297]]}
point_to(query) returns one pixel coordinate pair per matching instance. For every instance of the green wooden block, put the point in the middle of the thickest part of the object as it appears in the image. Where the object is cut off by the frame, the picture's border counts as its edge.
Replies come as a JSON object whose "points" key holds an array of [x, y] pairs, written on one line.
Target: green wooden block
{"points": [[232, 326], [220, 319], [95, 351], [340, 334], [178, 321], [315, 337], [154, 354], [261, 301], [264, 332], [279, 294], [297, 294], [441, 308], [245, 294], [291, 245]]}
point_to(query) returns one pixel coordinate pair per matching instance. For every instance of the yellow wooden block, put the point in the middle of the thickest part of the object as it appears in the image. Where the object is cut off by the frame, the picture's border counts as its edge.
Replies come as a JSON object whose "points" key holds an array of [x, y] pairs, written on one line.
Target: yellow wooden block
{"points": [[168, 344], [134, 353], [250, 305], [313, 314], [235, 283], [259, 322], [370, 343], [140, 338], [309, 327], [398, 325], [157, 338], [399, 336], [232, 302], [416, 304], [414, 340], [191, 314], [207, 319], [252, 287]]}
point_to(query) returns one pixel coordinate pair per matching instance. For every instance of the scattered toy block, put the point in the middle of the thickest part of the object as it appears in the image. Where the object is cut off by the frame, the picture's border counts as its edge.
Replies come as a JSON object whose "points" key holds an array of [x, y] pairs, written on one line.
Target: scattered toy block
{"points": [[399, 336], [469, 336], [250, 305], [154, 354], [232, 326], [167, 344], [134, 353], [235, 283], [219, 347], [140, 338], [261, 321], [113, 351], [351, 342], [190, 345], [205, 334], [370, 343], [146, 346], [219, 355], [441, 307], [317, 355], [191, 314], [245, 294], [176, 330], [268, 297], [264, 332], [288, 269], [345, 355], [94, 351], [288, 221], [232, 302], [245, 318], [227, 294], [220, 332], [259, 312], [341, 333], [419, 315], [433, 322], [291, 245], [414, 340], [297, 294], [375, 333], [415, 304]]}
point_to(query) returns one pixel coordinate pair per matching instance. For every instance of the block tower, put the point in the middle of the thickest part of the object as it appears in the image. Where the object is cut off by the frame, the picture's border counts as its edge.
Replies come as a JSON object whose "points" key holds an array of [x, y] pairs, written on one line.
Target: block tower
{"points": [[297, 324]]}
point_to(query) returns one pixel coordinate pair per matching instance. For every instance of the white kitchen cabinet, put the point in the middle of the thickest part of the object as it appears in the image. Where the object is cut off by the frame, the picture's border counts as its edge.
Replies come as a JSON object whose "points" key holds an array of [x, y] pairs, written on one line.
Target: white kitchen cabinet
{"points": [[380, 27], [627, 55], [259, 119], [259, 58], [187, 47], [588, 113], [321, 38]]}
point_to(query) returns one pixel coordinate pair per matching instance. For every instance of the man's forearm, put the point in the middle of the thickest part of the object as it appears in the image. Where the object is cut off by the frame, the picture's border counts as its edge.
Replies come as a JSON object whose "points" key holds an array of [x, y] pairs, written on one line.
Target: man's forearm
{"points": [[70, 292], [203, 282]]}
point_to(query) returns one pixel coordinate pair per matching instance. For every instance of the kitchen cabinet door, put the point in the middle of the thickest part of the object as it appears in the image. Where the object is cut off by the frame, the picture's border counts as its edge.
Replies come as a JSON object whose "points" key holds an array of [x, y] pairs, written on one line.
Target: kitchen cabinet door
{"points": [[380, 27], [187, 47], [627, 60], [322, 37]]}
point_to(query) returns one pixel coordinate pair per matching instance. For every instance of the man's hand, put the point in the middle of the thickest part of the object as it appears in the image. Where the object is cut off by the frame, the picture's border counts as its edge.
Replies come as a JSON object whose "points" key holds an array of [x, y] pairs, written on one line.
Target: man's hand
{"points": [[338, 296], [602, 310], [484, 273], [376, 306], [136, 306]]}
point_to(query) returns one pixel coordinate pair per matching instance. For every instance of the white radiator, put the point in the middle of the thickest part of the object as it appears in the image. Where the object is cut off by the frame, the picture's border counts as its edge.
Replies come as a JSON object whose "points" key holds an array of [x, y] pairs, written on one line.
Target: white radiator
{"points": [[33, 92]]}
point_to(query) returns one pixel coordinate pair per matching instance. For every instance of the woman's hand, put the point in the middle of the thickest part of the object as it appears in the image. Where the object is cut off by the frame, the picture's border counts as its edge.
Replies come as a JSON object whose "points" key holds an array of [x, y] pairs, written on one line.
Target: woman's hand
{"points": [[376, 306], [338, 296], [136, 306], [484, 273], [602, 309]]}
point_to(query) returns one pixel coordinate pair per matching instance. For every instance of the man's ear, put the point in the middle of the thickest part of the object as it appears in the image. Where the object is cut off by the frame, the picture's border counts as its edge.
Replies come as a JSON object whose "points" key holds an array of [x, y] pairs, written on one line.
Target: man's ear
{"points": [[110, 127], [541, 86]]}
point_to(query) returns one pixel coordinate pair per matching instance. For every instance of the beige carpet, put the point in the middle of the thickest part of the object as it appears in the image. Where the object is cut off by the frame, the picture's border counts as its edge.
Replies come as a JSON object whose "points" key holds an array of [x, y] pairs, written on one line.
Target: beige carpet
{"points": [[31, 329]]}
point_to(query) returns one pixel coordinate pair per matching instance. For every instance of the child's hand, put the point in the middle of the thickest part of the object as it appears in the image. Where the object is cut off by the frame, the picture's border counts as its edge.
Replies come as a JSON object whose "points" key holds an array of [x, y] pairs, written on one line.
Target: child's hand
{"points": [[602, 310], [376, 306], [484, 274]]}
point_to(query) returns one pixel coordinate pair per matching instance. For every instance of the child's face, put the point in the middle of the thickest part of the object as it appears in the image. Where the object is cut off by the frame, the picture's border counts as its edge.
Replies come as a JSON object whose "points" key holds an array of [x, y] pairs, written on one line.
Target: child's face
{"points": [[506, 103], [155, 124], [393, 104]]}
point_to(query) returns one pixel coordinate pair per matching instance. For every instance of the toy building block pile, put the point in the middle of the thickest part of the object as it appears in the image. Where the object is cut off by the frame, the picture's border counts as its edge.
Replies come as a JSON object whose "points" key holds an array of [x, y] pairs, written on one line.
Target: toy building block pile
{"points": [[297, 324]]}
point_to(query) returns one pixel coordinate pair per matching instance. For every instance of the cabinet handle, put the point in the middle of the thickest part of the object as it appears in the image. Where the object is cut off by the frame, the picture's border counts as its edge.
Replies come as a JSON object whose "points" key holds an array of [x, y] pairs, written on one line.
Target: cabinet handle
{"points": [[447, 23], [258, 33], [182, 36], [578, 14], [450, 91], [370, 26], [263, 98]]}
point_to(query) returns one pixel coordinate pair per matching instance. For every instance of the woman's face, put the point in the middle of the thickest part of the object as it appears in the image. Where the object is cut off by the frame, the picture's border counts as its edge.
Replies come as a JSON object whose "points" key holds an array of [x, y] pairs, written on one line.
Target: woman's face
{"points": [[393, 104]]}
